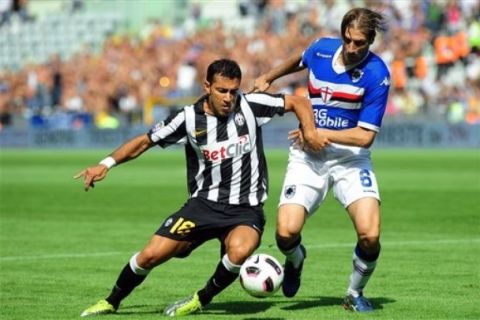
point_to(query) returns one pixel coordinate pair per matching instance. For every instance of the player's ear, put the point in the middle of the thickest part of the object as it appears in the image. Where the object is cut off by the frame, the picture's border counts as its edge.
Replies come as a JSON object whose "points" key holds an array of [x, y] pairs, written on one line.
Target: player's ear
{"points": [[206, 86]]}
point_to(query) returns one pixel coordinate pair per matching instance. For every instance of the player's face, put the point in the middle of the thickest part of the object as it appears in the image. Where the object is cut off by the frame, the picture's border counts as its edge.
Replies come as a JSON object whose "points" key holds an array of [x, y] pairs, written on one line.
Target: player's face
{"points": [[222, 95], [355, 46]]}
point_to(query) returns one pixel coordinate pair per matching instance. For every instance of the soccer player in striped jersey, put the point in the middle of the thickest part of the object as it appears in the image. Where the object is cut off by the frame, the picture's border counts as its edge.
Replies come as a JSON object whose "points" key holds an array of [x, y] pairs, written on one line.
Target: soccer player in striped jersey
{"points": [[348, 86], [227, 182]]}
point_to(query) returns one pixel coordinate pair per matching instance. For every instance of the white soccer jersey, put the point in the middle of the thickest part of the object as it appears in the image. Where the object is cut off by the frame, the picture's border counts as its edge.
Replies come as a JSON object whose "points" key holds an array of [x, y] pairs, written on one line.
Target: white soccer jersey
{"points": [[225, 157]]}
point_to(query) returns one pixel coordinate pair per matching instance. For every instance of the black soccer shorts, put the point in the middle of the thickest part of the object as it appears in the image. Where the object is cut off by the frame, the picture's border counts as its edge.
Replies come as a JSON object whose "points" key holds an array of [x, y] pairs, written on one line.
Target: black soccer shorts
{"points": [[200, 220]]}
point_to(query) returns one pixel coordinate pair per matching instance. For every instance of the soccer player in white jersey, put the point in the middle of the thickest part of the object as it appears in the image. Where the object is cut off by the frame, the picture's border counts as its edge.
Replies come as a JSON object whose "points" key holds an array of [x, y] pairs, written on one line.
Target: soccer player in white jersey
{"points": [[227, 182], [348, 86]]}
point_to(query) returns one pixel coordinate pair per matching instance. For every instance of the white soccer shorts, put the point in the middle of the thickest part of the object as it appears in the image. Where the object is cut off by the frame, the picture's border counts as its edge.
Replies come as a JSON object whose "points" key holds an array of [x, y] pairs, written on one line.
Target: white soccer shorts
{"points": [[308, 180]]}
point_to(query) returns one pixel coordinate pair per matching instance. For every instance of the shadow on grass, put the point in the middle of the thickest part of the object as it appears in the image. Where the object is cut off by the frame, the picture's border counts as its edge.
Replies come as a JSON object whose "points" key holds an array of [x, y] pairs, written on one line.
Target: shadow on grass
{"points": [[259, 306], [138, 309], [215, 308], [319, 301], [238, 307]]}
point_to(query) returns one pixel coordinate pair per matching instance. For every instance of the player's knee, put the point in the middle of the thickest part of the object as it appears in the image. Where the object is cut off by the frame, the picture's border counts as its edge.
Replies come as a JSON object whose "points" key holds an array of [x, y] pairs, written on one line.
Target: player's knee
{"points": [[239, 252], [368, 250], [239, 249], [369, 243], [290, 222], [287, 231], [148, 259]]}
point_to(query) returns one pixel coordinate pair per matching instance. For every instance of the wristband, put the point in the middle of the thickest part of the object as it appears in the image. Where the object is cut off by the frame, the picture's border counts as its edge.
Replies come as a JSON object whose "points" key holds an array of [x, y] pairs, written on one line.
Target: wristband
{"points": [[108, 162]]}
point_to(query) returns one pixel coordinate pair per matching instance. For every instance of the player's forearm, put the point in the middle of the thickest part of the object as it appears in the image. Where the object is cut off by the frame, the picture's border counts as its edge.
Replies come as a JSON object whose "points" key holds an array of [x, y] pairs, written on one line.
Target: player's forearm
{"points": [[304, 113], [291, 65], [357, 137], [302, 108], [131, 149]]}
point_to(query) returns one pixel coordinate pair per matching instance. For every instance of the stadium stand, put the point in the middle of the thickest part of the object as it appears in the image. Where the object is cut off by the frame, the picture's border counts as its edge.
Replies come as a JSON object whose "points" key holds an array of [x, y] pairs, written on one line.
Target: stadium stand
{"points": [[60, 33], [76, 68]]}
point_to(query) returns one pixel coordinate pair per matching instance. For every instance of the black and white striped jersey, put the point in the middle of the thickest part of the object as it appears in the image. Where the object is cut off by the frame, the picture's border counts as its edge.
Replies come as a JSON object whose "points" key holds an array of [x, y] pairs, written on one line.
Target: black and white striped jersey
{"points": [[225, 157]]}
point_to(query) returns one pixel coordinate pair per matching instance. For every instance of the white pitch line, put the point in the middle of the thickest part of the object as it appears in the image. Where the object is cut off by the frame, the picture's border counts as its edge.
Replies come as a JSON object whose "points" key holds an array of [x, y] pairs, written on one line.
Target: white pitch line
{"points": [[62, 256], [315, 246], [400, 243]]}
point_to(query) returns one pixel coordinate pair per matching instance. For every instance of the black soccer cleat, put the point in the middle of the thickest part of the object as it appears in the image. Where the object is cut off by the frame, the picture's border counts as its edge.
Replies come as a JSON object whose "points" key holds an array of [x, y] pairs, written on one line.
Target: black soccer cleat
{"points": [[291, 280]]}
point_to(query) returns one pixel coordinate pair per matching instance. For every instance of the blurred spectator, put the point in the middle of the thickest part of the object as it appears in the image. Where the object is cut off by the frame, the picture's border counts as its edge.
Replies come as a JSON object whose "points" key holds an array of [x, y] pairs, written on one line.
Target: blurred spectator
{"points": [[129, 106], [57, 81], [474, 34], [20, 8], [5, 114], [334, 10], [38, 99], [435, 16], [6, 8], [75, 6], [186, 79], [14, 9]]}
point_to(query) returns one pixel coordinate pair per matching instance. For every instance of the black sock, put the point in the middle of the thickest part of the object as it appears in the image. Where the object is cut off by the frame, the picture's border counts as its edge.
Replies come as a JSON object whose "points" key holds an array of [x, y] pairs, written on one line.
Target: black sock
{"points": [[367, 256], [126, 282], [287, 247], [221, 279]]}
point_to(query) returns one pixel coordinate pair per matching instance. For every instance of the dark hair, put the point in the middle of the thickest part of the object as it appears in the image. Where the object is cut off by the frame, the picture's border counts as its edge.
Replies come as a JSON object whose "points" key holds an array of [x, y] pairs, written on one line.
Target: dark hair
{"points": [[224, 67], [368, 21]]}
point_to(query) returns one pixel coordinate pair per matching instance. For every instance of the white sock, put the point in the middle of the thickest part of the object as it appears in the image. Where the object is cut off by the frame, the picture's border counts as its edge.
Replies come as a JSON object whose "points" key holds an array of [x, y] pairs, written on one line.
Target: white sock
{"points": [[362, 270], [295, 256], [229, 265], [136, 268]]}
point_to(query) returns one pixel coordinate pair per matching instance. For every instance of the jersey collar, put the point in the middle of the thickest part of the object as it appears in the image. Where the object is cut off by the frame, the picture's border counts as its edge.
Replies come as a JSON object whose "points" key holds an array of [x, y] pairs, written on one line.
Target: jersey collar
{"points": [[199, 109]]}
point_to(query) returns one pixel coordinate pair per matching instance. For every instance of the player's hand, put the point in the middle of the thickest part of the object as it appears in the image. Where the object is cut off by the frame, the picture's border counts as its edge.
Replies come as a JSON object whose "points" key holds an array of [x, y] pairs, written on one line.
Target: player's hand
{"points": [[311, 141], [91, 175], [314, 140], [261, 84], [296, 137]]}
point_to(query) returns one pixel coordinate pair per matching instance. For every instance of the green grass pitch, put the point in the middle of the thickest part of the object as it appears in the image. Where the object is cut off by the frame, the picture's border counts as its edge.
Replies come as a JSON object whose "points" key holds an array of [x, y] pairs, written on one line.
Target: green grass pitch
{"points": [[61, 248]]}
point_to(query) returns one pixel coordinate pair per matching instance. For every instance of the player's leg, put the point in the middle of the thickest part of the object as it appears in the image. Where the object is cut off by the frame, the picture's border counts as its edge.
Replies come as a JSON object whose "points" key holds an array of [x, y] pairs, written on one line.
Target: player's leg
{"points": [[239, 228], [365, 215], [239, 244], [356, 188], [158, 250], [290, 221], [304, 188]]}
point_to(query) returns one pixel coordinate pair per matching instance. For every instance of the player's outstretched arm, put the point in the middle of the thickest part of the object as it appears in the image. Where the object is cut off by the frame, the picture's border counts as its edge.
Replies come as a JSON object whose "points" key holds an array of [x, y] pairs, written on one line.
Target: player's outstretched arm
{"points": [[128, 151], [291, 65]]}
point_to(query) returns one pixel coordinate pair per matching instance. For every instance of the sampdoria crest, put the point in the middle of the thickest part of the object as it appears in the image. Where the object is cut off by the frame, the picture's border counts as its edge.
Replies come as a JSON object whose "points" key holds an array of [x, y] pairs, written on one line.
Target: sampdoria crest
{"points": [[290, 191], [356, 75]]}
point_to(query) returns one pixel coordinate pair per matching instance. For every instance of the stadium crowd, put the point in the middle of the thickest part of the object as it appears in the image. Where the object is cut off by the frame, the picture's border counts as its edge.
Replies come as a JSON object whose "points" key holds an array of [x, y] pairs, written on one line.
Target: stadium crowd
{"points": [[432, 48]]}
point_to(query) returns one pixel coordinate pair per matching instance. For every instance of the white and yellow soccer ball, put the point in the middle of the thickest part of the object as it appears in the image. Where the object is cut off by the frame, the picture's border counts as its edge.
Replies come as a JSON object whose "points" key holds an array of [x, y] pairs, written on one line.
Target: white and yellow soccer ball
{"points": [[261, 275]]}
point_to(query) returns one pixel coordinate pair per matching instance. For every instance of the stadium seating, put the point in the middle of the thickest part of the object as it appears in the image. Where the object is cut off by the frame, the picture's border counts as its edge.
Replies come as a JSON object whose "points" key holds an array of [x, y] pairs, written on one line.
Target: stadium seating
{"points": [[59, 33]]}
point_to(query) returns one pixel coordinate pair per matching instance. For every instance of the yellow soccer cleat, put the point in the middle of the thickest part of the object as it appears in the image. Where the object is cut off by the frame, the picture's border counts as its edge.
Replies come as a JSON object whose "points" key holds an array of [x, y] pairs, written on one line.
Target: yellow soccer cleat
{"points": [[184, 307], [101, 307]]}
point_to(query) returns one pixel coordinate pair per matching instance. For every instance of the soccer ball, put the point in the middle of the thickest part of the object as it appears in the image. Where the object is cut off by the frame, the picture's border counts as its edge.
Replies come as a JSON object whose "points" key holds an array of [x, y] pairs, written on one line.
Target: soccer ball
{"points": [[261, 275]]}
